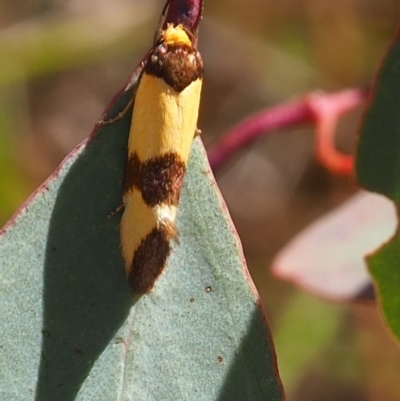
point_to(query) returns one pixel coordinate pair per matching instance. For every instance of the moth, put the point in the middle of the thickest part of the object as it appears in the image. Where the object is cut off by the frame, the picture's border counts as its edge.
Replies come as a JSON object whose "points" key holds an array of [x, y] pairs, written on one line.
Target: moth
{"points": [[164, 122]]}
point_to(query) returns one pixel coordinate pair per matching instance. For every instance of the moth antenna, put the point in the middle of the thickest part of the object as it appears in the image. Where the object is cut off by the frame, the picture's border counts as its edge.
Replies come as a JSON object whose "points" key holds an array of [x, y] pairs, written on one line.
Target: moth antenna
{"points": [[161, 22]]}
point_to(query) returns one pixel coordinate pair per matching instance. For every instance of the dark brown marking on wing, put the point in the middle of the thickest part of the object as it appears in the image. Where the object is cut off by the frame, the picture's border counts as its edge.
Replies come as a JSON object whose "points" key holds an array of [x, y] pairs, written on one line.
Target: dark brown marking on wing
{"points": [[159, 179], [132, 173], [177, 64], [149, 261]]}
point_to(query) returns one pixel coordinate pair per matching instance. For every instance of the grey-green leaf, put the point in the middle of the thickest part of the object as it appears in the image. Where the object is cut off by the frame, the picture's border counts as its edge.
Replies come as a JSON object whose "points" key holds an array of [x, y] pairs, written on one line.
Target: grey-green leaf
{"points": [[68, 328]]}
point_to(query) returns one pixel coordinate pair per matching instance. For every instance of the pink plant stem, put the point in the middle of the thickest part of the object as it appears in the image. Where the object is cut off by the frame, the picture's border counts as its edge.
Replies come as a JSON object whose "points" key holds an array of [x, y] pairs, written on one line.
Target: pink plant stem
{"points": [[262, 123], [327, 110], [321, 109]]}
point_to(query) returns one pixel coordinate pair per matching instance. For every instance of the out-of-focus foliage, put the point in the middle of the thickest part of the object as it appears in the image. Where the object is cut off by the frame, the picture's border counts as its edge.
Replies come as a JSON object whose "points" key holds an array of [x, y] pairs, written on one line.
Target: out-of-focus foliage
{"points": [[12, 188], [327, 258], [378, 157]]}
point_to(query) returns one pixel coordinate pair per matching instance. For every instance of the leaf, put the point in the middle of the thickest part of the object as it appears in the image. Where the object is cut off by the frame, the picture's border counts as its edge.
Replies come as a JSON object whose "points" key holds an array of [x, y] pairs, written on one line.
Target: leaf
{"points": [[378, 153], [69, 330], [328, 256], [378, 169]]}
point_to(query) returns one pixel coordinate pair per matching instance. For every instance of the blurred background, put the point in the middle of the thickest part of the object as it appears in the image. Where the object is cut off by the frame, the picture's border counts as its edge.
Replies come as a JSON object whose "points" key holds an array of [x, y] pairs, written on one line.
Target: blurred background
{"points": [[61, 62]]}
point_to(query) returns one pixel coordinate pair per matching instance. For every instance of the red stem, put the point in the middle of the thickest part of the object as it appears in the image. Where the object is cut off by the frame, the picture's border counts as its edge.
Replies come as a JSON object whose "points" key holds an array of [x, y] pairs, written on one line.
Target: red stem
{"points": [[323, 110], [261, 123], [185, 12]]}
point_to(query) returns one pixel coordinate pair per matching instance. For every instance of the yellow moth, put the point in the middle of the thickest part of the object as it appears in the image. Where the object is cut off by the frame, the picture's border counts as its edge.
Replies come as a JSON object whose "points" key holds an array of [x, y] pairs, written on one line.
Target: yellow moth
{"points": [[163, 124]]}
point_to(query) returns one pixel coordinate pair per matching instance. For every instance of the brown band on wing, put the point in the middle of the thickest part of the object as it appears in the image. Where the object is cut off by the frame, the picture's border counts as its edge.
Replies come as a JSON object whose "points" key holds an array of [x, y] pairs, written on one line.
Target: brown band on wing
{"points": [[132, 173], [159, 179], [177, 64], [149, 261]]}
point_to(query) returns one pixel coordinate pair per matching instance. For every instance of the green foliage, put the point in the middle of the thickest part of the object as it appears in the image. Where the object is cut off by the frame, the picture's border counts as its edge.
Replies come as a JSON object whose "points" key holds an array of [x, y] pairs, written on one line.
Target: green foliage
{"points": [[384, 267], [378, 154], [69, 330], [12, 188], [42, 48], [313, 324], [378, 169]]}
